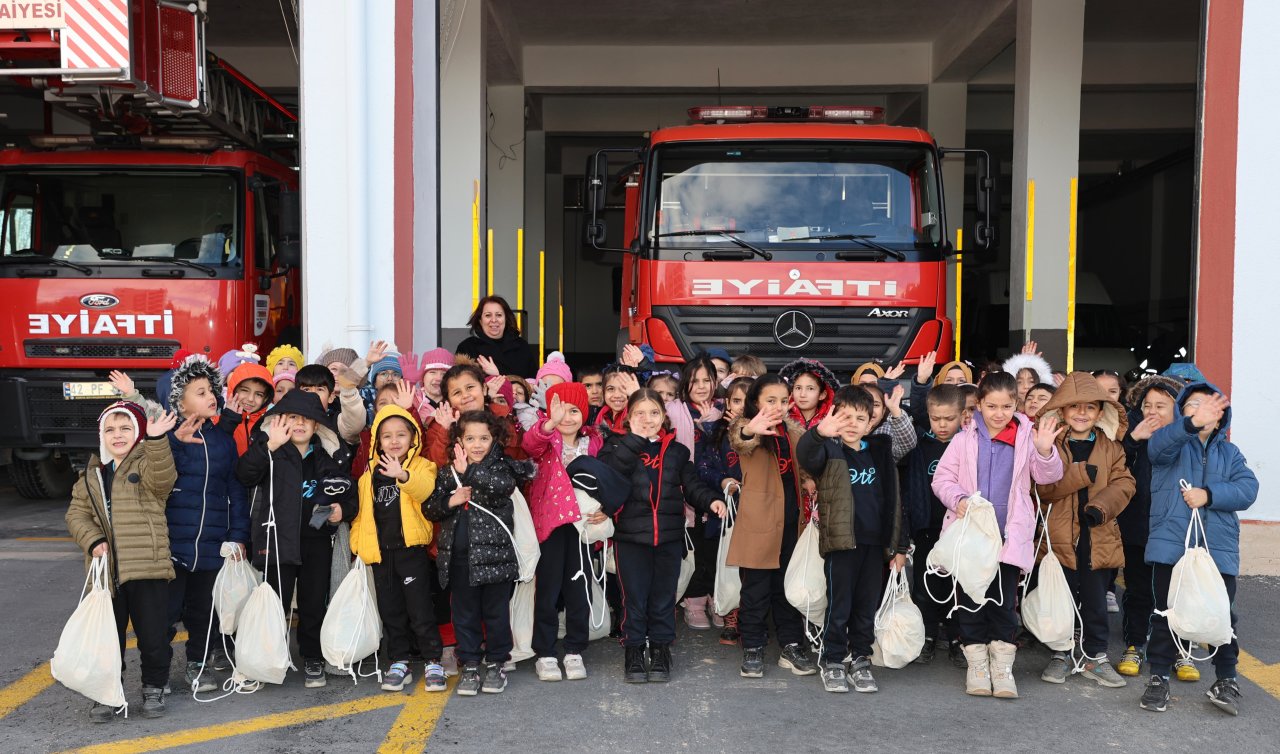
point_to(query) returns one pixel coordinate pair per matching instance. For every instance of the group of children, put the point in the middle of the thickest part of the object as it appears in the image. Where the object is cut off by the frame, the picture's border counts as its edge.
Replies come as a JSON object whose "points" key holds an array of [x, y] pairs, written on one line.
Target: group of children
{"points": [[428, 460]]}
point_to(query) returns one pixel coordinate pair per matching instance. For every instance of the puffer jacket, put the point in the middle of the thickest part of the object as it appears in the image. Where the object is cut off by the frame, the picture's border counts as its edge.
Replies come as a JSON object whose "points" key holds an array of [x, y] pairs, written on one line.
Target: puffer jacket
{"points": [[1217, 466], [136, 529], [761, 516], [439, 450], [415, 528], [1105, 476], [1135, 519], [956, 478], [491, 554], [552, 502], [208, 505], [824, 459], [651, 516]]}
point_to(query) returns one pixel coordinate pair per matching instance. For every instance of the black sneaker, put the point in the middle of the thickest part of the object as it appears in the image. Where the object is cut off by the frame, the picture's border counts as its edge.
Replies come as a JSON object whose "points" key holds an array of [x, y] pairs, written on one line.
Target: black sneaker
{"points": [[1156, 696], [660, 663], [218, 659], [635, 669], [313, 674], [469, 680], [152, 701], [926, 652], [956, 653], [860, 674], [101, 713], [752, 663], [200, 677], [1225, 695], [396, 677], [495, 678], [797, 660]]}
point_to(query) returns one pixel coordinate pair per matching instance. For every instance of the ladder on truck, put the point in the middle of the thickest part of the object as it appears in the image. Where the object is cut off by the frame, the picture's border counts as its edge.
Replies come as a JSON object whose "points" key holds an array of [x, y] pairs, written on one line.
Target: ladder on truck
{"points": [[137, 71]]}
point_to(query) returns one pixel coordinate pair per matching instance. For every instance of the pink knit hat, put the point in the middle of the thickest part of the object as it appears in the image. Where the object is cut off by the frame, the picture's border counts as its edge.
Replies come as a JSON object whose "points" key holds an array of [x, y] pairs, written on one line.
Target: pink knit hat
{"points": [[438, 358], [555, 365]]}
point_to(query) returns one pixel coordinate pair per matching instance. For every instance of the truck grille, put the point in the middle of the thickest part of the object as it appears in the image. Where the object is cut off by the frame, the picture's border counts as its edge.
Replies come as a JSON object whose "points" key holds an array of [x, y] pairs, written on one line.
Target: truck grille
{"points": [[58, 348], [50, 412], [844, 337]]}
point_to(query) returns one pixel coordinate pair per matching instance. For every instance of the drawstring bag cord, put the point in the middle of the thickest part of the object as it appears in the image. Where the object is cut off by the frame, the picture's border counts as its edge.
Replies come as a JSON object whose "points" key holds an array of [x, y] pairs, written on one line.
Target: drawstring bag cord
{"points": [[955, 596], [1196, 537], [491, 514]]}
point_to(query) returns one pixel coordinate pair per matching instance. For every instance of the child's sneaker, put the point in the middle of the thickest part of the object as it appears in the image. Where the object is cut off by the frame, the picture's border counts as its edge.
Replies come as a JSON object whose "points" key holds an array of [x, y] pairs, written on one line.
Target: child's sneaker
{"points": [[449, 661], [396, 677], [695, 613], [659, 663], [547, 669], [1225, 695], [926, 652], [509, 666], [495, 678], [635, 668], [1056, 671], [956, 654], [101, 713], [863, 681], [206, 682], [1155, 697], [797, 660], [313, 674], [1102, 672], [434, 677], [1112, 605], [470, 682], [574, 669], [729, 635], [834, 679], [1186, 670], [1130, 662], [218, 659], [752, 663], [153, 701]]}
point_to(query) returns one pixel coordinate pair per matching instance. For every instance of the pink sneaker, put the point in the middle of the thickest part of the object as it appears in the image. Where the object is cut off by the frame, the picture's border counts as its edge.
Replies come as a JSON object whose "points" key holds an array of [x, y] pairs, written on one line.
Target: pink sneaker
{"points": [[717, 620], [695, 613]]}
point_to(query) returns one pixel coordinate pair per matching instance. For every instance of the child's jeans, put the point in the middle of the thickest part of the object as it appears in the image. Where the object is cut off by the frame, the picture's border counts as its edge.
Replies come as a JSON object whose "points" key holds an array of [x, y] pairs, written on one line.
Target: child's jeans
{"points": [[853, 594], [649, 577], [1161, 651]]}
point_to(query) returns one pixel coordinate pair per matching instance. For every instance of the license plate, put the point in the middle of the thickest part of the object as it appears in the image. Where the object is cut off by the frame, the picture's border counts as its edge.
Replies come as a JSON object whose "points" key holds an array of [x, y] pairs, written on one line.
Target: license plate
{"points": [[78, 390]]}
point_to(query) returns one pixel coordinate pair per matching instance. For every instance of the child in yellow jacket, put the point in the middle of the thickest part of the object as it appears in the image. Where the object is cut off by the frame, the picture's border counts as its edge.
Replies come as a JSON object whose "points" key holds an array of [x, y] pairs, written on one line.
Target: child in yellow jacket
{"points": [[390, 534]]}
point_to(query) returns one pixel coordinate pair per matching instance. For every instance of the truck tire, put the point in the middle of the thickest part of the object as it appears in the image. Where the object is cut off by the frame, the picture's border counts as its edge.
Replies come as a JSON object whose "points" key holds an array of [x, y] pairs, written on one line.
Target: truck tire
{"points": [[47, 479]]}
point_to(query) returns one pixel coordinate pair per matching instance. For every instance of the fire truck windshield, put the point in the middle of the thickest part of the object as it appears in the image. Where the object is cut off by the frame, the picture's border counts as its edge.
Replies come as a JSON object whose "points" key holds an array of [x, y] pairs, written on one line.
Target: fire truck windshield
{"points": [[115, 221], [793, 197]]}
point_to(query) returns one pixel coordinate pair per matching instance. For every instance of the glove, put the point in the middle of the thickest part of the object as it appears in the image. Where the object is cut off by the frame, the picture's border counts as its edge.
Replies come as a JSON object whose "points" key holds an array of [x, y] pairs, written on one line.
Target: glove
{"points": [[1093, 517]]}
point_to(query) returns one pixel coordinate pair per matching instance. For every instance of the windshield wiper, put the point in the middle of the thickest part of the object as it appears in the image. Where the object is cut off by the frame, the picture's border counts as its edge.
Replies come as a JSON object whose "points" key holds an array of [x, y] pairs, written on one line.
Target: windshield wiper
{"points": [[728, 233], [48, 260], [866, 240], [206, 269]]}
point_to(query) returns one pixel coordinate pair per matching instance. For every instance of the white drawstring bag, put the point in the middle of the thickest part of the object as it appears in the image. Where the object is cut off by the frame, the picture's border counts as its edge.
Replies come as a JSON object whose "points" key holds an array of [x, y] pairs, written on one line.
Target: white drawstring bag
{"points": [[591, 533], [805, 581], [522, 621], [1048, 611], [899, 626], [597, 618], [969, 551], [728, 587], [1199, 609], [525, 536], [87, 659], [231, 589], [262, 637], [687, 565], [351, 630]]}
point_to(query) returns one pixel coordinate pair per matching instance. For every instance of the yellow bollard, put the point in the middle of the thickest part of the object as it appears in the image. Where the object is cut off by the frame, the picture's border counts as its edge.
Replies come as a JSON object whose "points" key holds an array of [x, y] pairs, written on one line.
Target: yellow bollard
{"points": [[489, 264], [519, 277], [1071, 280], [542, 306], [475, 248], [560, 287]]}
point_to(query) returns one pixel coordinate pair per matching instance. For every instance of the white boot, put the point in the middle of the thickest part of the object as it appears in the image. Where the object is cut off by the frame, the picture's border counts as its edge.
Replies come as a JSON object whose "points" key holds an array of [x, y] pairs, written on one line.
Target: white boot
{"points": [[977, 679], [1001, 658]]}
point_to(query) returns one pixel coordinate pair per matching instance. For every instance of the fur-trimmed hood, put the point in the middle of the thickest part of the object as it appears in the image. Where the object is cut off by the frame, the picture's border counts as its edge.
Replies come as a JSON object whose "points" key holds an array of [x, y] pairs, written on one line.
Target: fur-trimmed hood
{"points": [[1081, 387], [791, 371], [1020, 361], [1138, 391], [172, 384]]}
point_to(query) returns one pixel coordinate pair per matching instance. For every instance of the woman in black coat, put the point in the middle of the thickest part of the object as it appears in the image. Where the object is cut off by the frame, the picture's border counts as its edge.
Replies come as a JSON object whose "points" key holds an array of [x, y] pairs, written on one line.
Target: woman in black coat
{"points": [[495, 336]]}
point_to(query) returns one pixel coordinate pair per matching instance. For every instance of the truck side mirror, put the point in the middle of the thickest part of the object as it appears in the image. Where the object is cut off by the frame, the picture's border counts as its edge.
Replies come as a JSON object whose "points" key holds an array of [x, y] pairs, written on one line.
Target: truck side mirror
{"points": [[984, 230], [596, 188], [289, 251]]}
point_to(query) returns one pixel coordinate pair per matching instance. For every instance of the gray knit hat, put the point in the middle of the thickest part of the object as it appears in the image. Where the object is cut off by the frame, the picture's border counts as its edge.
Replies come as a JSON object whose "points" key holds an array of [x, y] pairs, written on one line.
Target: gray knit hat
{"points": [[346, 356]]}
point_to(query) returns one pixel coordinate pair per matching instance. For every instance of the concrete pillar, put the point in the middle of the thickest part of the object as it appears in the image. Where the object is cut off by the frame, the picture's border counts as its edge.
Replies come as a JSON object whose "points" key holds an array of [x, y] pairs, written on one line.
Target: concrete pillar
{"points": [[504, 187], [1046, 151], [462, 163], [945, 115], [424, 174], [348, 179]]}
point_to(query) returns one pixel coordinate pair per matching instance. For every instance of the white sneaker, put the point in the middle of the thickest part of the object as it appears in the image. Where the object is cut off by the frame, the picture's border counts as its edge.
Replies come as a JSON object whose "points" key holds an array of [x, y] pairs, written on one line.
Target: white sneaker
{"points": [[1112, 605], [574, 670], [548, 669], [449, 661], [509, 666]]}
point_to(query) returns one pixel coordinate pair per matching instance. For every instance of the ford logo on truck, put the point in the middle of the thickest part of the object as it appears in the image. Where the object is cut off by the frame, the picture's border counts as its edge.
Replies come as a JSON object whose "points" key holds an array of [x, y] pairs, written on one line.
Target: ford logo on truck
{"points": [[99, 301]]}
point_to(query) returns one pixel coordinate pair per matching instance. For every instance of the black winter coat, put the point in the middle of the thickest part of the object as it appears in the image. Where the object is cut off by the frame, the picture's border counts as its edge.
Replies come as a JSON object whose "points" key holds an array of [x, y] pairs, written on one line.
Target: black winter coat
{"points": [[923, 508], [511, 353], [654, 517], [491, 554], [293, 486], [1135, 519]]}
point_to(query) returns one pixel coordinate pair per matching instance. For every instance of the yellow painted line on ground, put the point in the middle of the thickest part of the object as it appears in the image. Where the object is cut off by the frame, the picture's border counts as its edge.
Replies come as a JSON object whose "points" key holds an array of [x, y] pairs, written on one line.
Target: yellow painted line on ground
{"points": [[194, 736], [30, 685], [44, 539], [1266, 676], [417, 720]]}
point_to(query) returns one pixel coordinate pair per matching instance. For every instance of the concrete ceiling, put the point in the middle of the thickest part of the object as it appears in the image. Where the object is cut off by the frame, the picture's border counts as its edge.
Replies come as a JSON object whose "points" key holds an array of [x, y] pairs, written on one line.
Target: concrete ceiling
{"points": [[250, 23]]}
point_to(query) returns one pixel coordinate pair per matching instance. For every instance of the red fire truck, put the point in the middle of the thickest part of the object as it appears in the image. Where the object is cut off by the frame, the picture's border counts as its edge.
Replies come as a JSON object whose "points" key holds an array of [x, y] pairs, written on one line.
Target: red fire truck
{"points": [[784, 232], [167, 221]]}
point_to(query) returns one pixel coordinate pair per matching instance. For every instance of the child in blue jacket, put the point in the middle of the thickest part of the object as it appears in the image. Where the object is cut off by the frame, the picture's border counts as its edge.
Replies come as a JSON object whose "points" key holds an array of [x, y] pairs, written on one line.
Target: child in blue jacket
{"points": [[1220, 485]]}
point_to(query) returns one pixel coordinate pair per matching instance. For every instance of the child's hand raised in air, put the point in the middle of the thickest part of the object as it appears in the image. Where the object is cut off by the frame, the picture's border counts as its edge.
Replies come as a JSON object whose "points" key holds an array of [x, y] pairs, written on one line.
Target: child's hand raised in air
{"points": [[894, 372], [1144, 429], [445, 416], [1045, 434], [186, 431], [631, 355], [122, 382], [403, 394], [1210, 410], [278, 429], [834, 424], [556, 413], [459, 458], [925, 370], [765, 422], [162, 424], [488, 366], [893, 401], [391, 469], [377, 350]]}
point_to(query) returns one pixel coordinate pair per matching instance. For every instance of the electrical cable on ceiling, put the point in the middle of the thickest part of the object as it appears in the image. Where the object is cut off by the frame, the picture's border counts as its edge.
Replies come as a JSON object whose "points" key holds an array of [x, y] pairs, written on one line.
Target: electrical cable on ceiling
{"points": [[284, 16], [503, 155]]}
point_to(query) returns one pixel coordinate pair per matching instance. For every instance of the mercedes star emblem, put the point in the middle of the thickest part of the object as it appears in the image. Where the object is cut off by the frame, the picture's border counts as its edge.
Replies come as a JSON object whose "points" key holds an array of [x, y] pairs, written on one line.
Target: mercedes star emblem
{"points": [[793, 329]]}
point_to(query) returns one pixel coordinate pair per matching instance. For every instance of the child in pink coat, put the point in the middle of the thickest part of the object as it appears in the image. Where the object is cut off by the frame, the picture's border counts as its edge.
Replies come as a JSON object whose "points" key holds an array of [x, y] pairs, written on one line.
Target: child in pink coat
{"points": [[998, 454], [553, 442]]}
